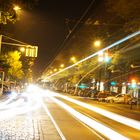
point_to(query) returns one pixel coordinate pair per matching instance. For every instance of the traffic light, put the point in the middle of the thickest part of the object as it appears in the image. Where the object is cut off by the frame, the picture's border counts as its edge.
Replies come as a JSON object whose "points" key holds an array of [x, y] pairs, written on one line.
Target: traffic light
{"points": [[133, 83], [31, 51]]}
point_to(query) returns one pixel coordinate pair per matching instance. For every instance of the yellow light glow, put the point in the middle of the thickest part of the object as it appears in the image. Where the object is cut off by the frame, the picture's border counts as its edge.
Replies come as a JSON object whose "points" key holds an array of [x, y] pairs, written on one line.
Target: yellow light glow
{"points": [[55, 69], [138, 83], [62, 65], [133, 81], [16, 8], [22, 49], [97, 43], [95, 54], [73, 58]]}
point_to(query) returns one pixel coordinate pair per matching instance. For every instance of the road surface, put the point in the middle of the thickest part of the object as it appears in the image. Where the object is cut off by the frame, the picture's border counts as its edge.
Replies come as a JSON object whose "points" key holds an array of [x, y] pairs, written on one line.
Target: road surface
{"points": [[45, 115]]}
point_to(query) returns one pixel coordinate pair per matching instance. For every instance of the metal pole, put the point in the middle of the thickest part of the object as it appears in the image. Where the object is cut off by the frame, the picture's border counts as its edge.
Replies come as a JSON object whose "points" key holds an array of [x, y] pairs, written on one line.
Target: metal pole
{"points": [[0, 43], [2, 81]]}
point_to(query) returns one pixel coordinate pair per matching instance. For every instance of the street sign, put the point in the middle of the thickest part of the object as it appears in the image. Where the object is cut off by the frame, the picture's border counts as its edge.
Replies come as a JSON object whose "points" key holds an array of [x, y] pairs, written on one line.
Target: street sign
{"points": [[31, 51]]}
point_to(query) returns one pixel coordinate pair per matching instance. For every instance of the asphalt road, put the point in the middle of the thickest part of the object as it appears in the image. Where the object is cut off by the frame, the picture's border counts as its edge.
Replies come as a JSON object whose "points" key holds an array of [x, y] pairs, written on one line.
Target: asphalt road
{"points": [[71, 128]]}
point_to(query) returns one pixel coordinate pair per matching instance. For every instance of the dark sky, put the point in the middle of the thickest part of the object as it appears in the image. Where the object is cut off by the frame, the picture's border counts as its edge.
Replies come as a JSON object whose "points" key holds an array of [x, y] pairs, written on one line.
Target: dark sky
{"points": [[44, 26]]}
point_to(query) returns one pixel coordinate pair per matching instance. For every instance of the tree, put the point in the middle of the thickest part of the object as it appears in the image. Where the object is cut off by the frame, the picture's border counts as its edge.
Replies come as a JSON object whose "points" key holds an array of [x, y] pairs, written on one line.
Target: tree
{"points": [[27, 68], [8, 14], [14, 71], [128, 11]]}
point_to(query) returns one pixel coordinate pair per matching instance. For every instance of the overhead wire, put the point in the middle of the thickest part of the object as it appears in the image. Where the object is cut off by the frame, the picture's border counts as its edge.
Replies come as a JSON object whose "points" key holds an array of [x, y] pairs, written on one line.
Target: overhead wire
{"points": [[104, 49], [70, 33]]}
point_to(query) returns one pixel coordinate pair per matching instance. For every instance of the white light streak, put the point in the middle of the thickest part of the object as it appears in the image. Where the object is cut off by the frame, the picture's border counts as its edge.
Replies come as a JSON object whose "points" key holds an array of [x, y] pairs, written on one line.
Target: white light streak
{"points": [[21, 104], [111, 134], [119, 118], [108, 47]]}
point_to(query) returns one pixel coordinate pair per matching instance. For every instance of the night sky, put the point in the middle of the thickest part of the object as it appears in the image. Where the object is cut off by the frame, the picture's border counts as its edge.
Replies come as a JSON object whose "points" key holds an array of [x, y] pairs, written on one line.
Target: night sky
{"points": [[44, 25]]}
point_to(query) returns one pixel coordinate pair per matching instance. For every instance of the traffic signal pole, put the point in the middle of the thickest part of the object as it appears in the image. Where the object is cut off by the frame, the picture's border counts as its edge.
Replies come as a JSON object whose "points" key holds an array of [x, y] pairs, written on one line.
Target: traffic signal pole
{"points": [[0, 43]]}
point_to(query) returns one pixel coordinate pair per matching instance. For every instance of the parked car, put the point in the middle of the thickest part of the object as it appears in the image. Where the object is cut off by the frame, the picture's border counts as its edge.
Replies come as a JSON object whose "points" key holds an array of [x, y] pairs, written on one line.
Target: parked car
{"points": [[123, 98], [101, 96], [117, 99], [109, 98]]}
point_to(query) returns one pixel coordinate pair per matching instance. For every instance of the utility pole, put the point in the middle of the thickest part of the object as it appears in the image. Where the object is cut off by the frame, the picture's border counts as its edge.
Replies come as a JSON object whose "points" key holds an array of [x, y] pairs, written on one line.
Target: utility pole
{"points": [[2, 78], [2, 82], [0, 43]]}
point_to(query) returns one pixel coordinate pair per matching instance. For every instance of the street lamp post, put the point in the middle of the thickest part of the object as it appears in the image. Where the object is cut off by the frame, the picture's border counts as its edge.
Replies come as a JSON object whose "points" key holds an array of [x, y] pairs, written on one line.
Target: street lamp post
{"points": [[0, 42], [103, 57]]}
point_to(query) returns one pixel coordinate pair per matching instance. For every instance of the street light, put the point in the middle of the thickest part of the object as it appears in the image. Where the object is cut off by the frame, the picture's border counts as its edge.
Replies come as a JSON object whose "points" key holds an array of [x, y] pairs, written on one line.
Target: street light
{"points": [[22, 49], [62, 65], [16, 8], [73, 59], [97, 43]]}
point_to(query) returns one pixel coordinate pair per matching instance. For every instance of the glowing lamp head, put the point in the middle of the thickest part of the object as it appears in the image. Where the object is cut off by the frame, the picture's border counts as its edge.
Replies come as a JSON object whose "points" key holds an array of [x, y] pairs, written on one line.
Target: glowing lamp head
{"points": [[16, 8], [22, 49], [62, 65], [97, 43]]}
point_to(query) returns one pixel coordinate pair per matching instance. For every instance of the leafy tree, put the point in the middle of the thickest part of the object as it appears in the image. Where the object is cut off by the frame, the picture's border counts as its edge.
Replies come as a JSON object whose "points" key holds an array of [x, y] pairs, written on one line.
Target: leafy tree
{"points": [[12, 59], [27, 68], [8, 14], [128, 11]]}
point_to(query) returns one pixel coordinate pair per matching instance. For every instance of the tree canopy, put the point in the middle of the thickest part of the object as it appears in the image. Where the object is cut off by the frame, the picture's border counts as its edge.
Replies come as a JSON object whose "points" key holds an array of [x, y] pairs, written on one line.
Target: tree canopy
{"points": [[12, 59], [128, 11], [7, 12]]}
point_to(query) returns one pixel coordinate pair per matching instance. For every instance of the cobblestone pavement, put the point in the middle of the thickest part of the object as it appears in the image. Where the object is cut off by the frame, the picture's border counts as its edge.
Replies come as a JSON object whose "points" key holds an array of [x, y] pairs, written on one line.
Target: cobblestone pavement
{"points": [[19, 129], [31, 125], [35, 125]]}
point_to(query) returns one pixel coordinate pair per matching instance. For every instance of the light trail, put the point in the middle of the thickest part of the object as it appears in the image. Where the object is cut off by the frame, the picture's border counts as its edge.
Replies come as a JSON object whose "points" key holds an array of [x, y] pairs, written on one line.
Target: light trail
{"points": [[104, 130], [119, 118], [13, 104], [23, 104], [90, 56], [11, 97]]}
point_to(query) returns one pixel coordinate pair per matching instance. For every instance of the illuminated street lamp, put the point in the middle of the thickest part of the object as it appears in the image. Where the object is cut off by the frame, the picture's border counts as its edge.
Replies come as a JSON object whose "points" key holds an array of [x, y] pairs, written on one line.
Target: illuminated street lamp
{"points": [[62, 65], [97, 43], [55, 70], [22, 49], [16, 8], [73, 59]]}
